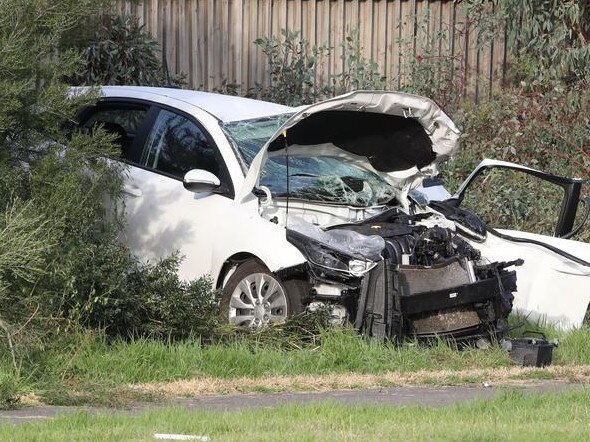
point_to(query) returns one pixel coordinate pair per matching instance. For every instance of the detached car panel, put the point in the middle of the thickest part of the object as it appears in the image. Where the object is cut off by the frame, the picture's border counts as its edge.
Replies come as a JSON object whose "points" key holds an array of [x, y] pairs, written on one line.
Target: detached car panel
{"points": [[330, 204]]}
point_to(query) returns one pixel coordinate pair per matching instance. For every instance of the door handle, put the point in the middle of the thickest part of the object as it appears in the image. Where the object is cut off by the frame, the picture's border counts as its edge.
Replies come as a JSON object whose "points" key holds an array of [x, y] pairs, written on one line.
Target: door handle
{"points": [[132, 190]]}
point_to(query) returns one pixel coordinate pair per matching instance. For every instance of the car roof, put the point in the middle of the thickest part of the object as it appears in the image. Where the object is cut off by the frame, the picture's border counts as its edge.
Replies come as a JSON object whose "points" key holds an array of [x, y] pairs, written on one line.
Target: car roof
{"points": [[226, 108]]}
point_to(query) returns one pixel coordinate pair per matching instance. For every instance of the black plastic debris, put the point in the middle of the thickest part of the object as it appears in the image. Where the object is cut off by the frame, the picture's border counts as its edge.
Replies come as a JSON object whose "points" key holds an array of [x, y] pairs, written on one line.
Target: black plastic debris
{"points": [[537, 352]]}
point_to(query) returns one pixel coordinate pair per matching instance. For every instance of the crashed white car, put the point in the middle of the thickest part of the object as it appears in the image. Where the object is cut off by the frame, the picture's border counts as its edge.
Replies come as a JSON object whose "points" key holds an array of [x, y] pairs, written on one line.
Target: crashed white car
{"points": [[333, 204]]}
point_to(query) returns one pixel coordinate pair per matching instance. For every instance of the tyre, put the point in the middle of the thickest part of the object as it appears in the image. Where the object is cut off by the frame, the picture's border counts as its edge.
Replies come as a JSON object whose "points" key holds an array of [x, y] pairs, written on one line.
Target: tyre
{"points": [[254, 297]]}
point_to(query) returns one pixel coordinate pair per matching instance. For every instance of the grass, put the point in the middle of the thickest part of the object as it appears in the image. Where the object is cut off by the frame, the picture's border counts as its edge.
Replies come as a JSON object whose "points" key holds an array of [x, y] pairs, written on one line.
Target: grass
{"points": [[511, 415], [90, 373], [339, 352], [143, 360], [99, 372]]}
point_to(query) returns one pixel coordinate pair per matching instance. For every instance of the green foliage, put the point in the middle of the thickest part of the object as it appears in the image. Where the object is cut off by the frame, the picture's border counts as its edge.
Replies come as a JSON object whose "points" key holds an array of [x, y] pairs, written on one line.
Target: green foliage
{"points": [[510, 415], [62, 267], [150, 300], [227, 88], [335, 350], [24, 239], [555, 34], [515, 200], [121, 52], [539, 118], [302, 330], [549, 41], [436, 72], [31, 68], [32, 228], [10, 390], [544, 130], [359, 73], [292, 66]]}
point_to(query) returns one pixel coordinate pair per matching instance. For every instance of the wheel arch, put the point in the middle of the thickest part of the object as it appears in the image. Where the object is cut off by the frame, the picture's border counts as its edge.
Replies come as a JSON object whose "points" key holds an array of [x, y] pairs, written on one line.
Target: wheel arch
{"points": [[231, 262], [274, 256]]}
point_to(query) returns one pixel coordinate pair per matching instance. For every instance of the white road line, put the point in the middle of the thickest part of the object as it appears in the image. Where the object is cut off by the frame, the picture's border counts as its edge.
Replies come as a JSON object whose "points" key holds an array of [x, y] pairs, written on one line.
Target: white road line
{"points": [[181, 437]]}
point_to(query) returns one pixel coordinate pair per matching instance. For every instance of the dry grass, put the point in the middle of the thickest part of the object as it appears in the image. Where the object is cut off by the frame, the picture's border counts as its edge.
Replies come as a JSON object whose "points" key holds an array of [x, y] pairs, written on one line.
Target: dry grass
{"points": [[508, 376]]}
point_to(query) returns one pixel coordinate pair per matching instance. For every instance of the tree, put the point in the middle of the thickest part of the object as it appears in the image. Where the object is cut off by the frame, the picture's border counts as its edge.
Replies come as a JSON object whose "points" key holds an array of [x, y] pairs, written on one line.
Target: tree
{"points": [[554, 35], [51, 186]]}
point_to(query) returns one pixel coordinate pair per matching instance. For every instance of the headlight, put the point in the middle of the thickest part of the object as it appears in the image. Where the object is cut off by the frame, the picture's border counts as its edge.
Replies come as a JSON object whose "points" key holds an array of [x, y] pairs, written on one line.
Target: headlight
{"points": [[323, 256], [317, 253], [357, 267]]}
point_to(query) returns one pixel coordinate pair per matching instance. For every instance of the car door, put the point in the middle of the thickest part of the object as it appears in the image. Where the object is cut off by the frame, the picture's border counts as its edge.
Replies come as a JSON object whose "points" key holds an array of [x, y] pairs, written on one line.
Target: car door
{"points": [[516, 197], [162, 216], [530, 215]]}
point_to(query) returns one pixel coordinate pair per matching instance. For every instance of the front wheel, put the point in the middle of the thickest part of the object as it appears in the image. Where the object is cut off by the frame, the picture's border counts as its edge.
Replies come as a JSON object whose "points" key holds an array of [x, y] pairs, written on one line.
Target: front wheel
{"points": [[254, 297]]}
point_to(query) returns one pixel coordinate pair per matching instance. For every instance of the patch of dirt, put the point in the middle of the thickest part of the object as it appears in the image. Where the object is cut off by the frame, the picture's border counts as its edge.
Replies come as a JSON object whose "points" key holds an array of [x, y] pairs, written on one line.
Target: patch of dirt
{"points": [[504, 376]]}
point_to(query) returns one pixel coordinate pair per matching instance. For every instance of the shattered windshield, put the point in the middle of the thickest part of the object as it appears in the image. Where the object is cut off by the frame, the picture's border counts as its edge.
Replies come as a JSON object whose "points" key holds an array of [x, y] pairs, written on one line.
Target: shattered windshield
{"points": [[325, 178], [318, 178], [250, 135]]}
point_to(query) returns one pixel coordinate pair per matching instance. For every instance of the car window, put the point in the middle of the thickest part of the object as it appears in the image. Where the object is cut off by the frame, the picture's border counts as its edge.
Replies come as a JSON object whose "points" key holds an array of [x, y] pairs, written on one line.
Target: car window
{"points": [[176, 145], [128, 119], [121, 120]]}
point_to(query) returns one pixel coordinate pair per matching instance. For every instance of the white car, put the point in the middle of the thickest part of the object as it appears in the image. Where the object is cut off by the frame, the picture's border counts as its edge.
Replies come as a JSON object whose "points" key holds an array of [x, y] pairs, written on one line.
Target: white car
{"points": [[333, 204]]}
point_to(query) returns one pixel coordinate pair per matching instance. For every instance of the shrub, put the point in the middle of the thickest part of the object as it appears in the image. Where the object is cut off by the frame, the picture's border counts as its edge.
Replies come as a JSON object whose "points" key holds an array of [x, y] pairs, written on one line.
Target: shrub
{"points": [[359, 73], [122, 52], [434, 75], [538, 119], [62, 267], [151, 301], [10, 390], [554, 35], [292, 65], [547, 131]]}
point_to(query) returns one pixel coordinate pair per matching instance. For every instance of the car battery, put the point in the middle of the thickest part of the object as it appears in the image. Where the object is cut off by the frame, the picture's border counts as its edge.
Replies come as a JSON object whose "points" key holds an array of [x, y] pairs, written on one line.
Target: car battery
{"points": [[537, 352]]}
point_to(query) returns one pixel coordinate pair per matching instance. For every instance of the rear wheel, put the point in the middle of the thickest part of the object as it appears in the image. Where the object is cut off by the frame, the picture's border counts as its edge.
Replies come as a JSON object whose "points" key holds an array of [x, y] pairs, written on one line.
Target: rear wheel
{"points": [[254, 297]]}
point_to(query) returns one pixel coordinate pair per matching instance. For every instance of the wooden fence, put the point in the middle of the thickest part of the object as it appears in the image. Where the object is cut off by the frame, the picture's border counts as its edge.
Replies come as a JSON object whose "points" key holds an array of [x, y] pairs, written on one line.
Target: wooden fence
{"points": [[212, 40]]}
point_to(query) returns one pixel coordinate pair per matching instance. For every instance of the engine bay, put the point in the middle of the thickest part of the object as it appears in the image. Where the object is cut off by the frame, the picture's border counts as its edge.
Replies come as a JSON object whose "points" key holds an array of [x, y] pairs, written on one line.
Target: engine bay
{"points": [[396, 275]]}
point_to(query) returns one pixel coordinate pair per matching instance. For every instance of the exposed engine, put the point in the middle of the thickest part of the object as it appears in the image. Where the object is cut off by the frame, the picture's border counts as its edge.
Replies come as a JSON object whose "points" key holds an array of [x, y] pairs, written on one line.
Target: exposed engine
{"points": [[427, 281]]}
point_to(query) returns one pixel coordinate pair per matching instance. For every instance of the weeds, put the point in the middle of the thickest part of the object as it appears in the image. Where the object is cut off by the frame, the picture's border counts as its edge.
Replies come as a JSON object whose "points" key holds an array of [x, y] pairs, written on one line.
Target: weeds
{"points": [[293, 66], [11, 389], [98, 370], [359, 73]]}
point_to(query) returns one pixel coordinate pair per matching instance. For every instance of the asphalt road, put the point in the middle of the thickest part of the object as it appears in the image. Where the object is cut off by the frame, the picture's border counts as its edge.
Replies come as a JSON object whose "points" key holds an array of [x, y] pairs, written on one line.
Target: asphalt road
{"points": [[396, 396]]}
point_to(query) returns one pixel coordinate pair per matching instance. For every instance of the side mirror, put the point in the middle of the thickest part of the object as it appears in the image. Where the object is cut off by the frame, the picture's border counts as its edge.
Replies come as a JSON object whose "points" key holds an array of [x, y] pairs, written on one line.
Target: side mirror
{"points": [[199, 180]]}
